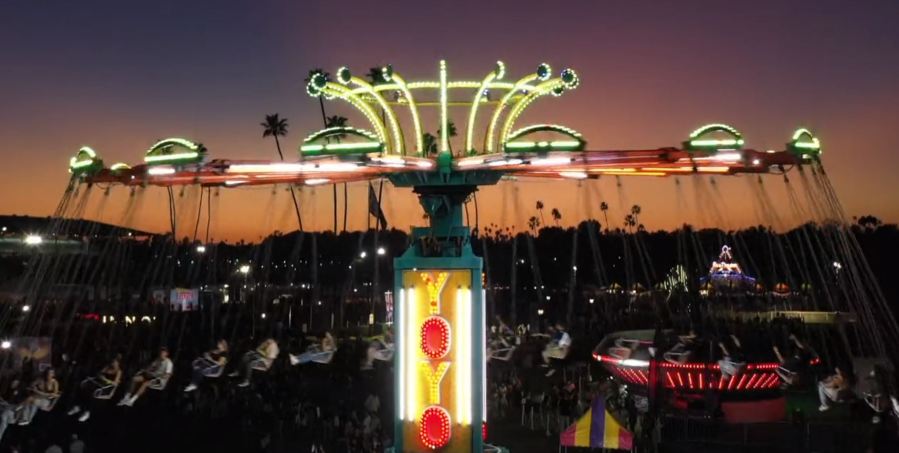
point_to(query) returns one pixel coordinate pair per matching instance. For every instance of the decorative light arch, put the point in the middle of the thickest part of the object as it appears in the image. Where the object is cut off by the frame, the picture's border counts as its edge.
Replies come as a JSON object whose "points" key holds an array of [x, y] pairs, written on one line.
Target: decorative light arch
{"points": [[320, 86], [312, 145], [575, 142], [567, 80], [85, 161], [497, 73], [804, 144], [699, 140], [175, 151]]}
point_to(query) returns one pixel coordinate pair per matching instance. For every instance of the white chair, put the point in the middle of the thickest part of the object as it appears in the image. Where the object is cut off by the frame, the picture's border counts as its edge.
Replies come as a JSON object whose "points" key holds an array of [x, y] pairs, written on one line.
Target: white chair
{"points": [[208, 368]]}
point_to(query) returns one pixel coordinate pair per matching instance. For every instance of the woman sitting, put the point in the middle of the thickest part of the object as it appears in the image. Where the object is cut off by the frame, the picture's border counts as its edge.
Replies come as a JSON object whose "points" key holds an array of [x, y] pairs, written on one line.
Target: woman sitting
{"points": [[156, 375], [101, 386], [322, 352], [210, 364], [261, 359], [44, 393]]}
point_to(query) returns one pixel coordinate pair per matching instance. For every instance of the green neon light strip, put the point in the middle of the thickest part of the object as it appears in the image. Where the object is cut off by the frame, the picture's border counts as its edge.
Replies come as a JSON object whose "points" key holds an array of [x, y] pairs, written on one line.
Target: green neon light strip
{"points": [[76, 164], [560, 145], [544, 127], [175, 141], [715, 144], [808, 145], [398, 142], [342, 148], [120, 166], [340, 130], [715, 127], [192, 155]]}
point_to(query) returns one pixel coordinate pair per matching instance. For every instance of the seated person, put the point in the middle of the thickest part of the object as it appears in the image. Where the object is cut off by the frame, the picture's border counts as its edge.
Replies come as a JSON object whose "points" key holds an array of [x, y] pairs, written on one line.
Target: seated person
{"points": [[834, 388], [791, 367], [683, 350], [318, 353], [557, 348], [43, 394], [260, 359], [733, 362], [159, 371], [211, 363], [876, 396], [9, 403], [108, 378]]}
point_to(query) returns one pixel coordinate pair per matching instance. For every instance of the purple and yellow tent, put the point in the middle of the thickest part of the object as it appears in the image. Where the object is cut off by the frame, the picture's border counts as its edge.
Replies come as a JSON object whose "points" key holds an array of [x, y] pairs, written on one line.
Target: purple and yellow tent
{"points": [[597, 429]]}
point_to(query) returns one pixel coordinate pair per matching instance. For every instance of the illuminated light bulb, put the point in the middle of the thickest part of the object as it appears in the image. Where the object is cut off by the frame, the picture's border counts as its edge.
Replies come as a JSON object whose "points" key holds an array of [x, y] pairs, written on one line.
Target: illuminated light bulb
{"points": [[381, 251], [33, 239], [201, 248], [6, 344], [26, 308]]}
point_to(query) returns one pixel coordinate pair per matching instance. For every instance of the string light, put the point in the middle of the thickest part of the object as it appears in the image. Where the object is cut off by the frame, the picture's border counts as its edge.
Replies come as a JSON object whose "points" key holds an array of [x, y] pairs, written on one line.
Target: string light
{"points": [[435, 337]]}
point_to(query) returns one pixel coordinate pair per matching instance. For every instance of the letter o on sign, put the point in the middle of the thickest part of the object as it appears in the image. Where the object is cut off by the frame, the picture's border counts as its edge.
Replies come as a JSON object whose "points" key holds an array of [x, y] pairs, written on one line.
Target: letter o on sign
{"points": [[435, 427], [435, 337]]}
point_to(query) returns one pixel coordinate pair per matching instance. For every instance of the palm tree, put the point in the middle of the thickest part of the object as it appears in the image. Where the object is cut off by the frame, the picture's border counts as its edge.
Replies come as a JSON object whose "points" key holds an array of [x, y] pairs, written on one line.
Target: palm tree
{"points": [[540, 210], [629, 222], [429, 142], [604, 207], [375, 76], [533, 223], [338, 121], [275, 126], [451, 132], [556, 215], [321, 100], [636, 210]]}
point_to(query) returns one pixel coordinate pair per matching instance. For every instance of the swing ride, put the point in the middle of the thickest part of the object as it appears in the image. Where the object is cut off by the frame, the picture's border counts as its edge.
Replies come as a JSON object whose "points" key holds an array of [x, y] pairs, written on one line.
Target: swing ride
{"points": [[440, 318]]}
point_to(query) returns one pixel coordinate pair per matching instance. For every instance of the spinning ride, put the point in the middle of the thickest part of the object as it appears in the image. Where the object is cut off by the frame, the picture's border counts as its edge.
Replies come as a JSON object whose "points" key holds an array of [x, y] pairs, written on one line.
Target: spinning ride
{"points": [[441, 372]]}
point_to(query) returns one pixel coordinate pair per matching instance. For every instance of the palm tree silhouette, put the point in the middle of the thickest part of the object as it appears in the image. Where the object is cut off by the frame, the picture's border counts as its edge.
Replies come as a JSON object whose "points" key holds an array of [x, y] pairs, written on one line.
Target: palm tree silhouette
{"points": [[540, 210], [451, 132], [533, 223], [556, 215], [636, 210], [338, 121], [275, 126], [321, 99], [604, 207], [429, 142]]}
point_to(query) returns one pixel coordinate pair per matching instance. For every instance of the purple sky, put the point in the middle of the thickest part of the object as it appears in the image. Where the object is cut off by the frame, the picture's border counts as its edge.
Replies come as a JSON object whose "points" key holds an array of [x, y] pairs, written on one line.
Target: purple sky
{"points": [[117, 76]]}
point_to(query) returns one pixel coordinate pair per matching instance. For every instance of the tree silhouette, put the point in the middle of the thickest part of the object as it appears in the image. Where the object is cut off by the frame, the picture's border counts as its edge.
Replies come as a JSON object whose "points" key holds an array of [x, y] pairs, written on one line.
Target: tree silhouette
{"points": [[275, 126], [604, 207], [429, 142], [338, 121], [451, 132], [540, 210], [556, 216], [533, 223]]}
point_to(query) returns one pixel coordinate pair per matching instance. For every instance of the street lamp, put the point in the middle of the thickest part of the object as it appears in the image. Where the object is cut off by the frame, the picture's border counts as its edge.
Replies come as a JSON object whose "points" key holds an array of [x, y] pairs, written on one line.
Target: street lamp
{"points": [[244, 269], [381, 251], [33, 239], [202, 249], [6, 344], [362, 254], [26, 308]]}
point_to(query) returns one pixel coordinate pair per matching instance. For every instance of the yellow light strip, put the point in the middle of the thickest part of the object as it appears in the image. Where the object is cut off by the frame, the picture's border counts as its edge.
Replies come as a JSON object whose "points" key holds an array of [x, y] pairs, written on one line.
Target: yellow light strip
{"points": [[342, 92], [399, 145], [463, 355], [444, 121], [475, 103], [413, 110], [542, 89], [411, 345], [491, 127], [401, 318], [434, 376]]}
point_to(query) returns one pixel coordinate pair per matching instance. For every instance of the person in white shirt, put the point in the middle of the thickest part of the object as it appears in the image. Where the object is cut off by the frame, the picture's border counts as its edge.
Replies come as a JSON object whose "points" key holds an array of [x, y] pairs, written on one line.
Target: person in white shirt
{"points": [[260, 359], [160, 371], [557, 348]]}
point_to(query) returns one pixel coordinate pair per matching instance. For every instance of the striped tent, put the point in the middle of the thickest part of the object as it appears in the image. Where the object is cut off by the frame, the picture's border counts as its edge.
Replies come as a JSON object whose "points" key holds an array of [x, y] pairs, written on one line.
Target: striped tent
{"points": [[597, 429]]}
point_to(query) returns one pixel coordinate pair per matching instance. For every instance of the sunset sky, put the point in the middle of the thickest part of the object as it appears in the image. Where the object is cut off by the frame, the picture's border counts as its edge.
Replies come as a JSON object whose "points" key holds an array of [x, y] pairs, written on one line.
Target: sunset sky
{"points": [[119, 75]]}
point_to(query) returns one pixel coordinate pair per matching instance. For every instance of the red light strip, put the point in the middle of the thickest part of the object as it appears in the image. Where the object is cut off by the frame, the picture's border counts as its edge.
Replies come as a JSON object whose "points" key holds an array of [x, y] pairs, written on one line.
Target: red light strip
{"points": [[742, 380], [670, 381]]}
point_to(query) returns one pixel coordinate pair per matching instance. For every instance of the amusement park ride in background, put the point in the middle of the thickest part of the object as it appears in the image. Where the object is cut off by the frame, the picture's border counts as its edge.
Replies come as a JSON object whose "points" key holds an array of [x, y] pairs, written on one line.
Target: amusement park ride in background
{"points": [[440, 320]]}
